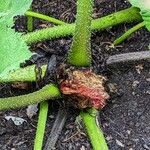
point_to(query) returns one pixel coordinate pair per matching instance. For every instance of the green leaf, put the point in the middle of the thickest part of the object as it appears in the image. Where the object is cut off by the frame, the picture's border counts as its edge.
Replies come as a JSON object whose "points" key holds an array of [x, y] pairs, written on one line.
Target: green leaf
{"points": [[144, 6], [11, 8], [13, 50]]}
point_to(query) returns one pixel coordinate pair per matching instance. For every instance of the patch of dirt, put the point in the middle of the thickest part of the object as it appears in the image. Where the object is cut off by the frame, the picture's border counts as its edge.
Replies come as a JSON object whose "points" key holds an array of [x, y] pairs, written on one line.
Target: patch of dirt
{"points": [[125, 120]]}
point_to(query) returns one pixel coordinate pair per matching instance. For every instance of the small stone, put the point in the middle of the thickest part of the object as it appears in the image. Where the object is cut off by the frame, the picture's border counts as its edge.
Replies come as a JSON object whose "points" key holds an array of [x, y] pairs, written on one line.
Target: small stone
{"points": [[135, 83], [146, 147], [128, 132], [119, 143], [148, 92], [109, 138], [32, 110], [139, 68], [148, 79], [17, 120], [82, 147], [112, 87], [51, 116]]}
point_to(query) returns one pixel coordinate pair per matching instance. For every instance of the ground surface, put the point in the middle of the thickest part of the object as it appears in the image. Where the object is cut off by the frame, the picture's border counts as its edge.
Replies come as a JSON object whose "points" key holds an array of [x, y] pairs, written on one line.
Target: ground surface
{"points": [[125, 120]]}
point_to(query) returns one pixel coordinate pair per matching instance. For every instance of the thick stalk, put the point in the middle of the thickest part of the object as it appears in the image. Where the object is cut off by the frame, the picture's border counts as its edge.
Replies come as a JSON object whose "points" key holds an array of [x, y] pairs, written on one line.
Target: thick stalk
{"points": [[38, 142], [94, 132], [128, 33], [127, 15], [44, 17], [46, 93], [80, 51], [26, 74]]}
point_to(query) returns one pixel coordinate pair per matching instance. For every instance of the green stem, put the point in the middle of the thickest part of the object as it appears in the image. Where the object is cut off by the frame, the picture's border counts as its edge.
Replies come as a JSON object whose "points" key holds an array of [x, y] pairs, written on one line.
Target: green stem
{"points": [[80, 51], [30, 23], [38, 142], [128, 33], [44, 17], [93, 130], [26, 74], [127, 15], [46, 93]]}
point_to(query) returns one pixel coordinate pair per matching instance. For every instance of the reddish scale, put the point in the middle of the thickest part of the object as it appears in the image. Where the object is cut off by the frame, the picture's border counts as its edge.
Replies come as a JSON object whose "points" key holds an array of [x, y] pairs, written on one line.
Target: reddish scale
{"points": [[86, 88]]}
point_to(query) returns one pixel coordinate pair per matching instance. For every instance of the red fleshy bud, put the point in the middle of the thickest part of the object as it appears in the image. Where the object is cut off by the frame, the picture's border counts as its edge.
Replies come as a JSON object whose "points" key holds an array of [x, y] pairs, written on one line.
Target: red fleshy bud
{"points": [[85, 88]]}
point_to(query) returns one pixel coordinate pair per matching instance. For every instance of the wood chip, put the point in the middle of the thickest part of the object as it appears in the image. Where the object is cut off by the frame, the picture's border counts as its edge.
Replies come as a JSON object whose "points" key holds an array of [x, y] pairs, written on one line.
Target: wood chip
{"points": [[129, 58]]}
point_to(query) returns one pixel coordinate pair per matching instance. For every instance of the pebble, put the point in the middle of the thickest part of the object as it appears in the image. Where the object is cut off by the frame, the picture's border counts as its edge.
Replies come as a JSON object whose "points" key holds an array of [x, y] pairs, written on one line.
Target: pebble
{"points": [[109, 138], [148, 79], [32, 110], [148, 92], [119, 143], [82, 147], [17, 120], [135, 83], [128, 132], [146, 147]]}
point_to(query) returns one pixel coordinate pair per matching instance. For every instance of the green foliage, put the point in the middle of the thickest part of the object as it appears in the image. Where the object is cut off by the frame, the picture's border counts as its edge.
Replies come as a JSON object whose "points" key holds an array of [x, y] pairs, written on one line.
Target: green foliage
{"points": [[11, 8], [144, 6], [13, 50]]}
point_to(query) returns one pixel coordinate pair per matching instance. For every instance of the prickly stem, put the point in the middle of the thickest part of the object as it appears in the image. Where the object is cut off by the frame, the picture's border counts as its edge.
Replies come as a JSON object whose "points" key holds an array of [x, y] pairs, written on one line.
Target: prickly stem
{"points": [[80, 52]]}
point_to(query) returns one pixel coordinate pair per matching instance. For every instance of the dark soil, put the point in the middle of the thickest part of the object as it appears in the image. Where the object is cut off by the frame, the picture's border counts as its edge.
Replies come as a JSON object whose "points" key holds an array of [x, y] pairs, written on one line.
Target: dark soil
{"points": [[125, 120]]}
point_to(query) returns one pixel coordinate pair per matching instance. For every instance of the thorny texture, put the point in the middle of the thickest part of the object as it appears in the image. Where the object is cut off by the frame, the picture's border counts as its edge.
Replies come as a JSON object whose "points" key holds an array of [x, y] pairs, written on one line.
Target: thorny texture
{"points": [[85, 89]]}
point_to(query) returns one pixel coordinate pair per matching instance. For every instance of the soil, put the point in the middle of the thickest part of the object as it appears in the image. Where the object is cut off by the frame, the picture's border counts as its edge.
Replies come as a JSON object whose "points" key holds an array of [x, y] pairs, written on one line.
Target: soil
{"points": [[125, 120]]}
